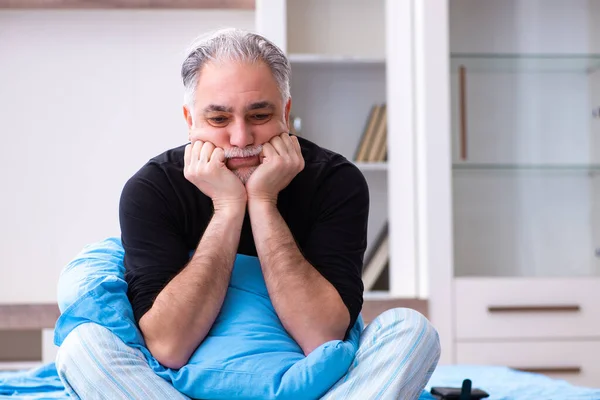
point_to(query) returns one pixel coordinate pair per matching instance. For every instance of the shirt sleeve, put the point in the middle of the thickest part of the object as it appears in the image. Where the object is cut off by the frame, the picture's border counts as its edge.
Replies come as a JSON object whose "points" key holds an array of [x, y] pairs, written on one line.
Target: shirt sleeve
{"points": [[155, 248], [336, 243]]}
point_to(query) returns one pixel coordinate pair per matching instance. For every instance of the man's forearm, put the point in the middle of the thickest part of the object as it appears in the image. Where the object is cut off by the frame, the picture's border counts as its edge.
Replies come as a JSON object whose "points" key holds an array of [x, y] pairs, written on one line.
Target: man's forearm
{"points": [[186, 308], [309, 307]]}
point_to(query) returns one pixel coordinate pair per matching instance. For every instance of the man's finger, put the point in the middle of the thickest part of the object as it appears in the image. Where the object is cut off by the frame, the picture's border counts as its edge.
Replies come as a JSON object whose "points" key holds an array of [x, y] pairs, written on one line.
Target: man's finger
{"points": [[289, 144], [207, 150], [218, 155], [196, 148], [279, 146], [268, 151], [296, 144], [187, 155]]}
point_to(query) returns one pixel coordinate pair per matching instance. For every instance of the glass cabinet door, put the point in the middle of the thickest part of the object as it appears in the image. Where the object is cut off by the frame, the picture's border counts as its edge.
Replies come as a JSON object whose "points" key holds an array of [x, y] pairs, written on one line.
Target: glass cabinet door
{"points": [[525, 106]]}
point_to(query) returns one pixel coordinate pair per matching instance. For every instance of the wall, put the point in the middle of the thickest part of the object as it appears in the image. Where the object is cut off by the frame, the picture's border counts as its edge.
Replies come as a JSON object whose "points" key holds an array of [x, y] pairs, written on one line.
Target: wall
{"points": [[86, 98], [329, 27]]}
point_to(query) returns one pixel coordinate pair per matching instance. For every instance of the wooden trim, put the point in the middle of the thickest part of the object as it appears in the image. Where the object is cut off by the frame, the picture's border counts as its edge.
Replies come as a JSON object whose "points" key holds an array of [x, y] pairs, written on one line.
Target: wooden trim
{"points": [[550, 370], [372, 308], [463, 112], [42, 316], [15, 366], [541, 308], [109, 4], [28, 316]]}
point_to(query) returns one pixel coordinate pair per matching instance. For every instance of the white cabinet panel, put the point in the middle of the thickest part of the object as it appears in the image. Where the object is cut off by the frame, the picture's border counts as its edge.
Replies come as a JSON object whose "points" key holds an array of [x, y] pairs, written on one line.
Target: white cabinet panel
{"points": [[574, 361], [519, 308]]}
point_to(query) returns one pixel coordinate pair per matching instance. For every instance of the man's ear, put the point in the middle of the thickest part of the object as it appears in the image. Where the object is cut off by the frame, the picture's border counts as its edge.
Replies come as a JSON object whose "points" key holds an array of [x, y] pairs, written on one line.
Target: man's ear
{"points": [[288, 108], [187, 114]]}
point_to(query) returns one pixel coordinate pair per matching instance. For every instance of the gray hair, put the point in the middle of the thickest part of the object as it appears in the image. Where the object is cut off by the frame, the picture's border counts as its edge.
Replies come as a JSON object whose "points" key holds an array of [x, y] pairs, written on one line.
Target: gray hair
{"points": [[233, 45]]}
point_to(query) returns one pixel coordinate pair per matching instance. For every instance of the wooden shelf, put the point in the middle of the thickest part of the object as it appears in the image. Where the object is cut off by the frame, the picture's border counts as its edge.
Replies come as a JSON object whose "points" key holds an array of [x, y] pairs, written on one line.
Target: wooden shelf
{"points": [[377, 302], [41, 316], [28, 316], [109, 4]]}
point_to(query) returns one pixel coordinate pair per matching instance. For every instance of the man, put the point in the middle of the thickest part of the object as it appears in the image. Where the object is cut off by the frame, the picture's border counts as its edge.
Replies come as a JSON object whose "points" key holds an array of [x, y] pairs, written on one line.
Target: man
{"points": [[245, 185]]}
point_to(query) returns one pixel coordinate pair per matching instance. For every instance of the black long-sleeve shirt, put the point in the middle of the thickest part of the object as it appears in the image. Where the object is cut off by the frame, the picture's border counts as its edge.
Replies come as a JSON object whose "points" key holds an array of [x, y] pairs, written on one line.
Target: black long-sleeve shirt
{"points": [[163, 217]]}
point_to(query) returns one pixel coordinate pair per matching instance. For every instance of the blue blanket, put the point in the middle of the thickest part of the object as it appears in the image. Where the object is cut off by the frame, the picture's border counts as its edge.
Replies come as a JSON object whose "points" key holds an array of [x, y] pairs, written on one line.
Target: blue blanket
{"points": [[38, 383], [502, 383]]}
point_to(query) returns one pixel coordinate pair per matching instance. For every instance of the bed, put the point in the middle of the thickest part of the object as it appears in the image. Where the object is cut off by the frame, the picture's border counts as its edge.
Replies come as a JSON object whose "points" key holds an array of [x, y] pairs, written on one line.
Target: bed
{"points": [[500, 382], [503, 383]]}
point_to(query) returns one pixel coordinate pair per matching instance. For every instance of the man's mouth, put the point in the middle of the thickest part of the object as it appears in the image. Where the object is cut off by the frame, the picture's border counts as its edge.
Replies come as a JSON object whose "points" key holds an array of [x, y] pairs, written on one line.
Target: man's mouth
{"points": [[240, 162]]}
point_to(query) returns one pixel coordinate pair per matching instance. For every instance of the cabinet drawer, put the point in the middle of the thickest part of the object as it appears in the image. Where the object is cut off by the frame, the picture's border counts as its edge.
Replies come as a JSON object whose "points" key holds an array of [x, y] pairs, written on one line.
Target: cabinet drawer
{"points": [[502, 308], [573, 361]]}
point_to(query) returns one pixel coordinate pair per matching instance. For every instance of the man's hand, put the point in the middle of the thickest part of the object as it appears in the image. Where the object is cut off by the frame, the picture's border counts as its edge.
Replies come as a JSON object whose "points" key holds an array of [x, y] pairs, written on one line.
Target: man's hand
{"points": [[205, 168], [281, 161]]}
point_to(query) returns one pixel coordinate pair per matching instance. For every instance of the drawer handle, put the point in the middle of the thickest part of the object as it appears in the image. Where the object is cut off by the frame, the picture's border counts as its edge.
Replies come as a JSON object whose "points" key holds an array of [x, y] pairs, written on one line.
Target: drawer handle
{"points": [[541, 308], [463, 111], [550, 370]]}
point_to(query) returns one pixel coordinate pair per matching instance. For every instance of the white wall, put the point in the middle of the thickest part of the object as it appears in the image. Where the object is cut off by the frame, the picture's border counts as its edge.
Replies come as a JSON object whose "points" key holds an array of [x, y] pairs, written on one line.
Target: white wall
{"points": [[86, 98], [336, 27]]}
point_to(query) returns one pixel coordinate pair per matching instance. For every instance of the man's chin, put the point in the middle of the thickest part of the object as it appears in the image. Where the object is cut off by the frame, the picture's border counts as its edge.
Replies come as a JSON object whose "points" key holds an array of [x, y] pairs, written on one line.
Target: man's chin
{"points": [[244, 173]]}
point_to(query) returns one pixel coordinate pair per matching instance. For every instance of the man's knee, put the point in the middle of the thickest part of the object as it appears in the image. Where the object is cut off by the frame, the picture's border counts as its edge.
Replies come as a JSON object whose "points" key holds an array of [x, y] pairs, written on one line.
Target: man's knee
{"points": [[72, 347], [409, 324], [81, 349]]}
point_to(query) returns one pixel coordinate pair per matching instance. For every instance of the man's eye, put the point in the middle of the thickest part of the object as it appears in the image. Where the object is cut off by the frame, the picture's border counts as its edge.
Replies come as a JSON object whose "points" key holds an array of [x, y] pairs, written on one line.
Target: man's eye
{"points": [[261, 117], [218, 120]]}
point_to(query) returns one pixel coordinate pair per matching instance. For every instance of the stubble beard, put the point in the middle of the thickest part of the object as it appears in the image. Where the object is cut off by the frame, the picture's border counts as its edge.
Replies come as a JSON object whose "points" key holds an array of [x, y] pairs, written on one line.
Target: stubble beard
{"points": [[244, 173]]}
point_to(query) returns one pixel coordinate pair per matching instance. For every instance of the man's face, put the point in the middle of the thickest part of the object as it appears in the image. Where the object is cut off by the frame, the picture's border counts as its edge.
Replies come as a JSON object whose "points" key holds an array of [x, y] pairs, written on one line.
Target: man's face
{"points": [[238, 107]]}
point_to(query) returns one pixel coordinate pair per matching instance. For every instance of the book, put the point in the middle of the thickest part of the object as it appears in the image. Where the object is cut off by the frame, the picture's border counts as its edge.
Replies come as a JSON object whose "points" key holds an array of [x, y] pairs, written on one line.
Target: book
{"points": [[382, 284], [379, 142], [368, 132], [377, 259], [382, 155]]}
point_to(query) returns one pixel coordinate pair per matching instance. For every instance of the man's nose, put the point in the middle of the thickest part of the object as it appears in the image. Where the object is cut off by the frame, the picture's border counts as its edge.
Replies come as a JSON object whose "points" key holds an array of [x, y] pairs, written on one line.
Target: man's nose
{"points": [[241, 135]]}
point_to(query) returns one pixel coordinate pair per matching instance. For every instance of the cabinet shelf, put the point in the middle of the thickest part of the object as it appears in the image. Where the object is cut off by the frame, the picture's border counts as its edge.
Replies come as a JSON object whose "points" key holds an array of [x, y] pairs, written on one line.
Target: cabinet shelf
{"points": [[526, 167], [324, 59], [372, 166], [505, 62]]}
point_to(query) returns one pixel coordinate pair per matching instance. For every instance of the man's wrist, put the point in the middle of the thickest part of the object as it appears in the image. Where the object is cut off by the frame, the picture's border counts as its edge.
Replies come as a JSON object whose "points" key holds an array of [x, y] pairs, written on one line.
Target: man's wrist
{"points": [[230, 209], [256, 204]]}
